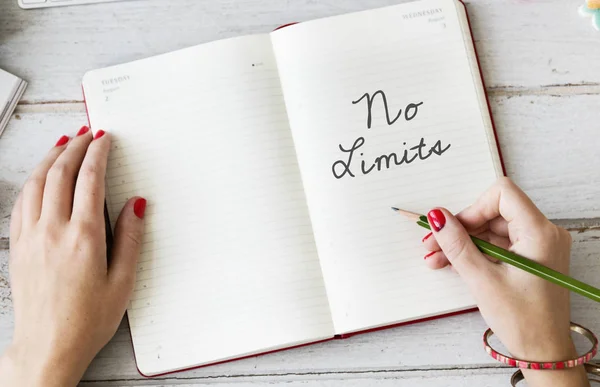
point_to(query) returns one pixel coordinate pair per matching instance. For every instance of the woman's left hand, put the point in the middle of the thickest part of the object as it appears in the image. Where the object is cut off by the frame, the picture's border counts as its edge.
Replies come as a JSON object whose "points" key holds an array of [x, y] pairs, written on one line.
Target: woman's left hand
{"points": [[68, 300]]}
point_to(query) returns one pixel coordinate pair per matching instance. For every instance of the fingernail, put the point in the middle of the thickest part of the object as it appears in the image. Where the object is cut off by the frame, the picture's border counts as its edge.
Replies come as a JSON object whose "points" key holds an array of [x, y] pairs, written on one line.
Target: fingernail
{"points": [[84, 129], [426, 237], [437, 220], [99, 134], [62, 141], [139, 208], [429, 255]]}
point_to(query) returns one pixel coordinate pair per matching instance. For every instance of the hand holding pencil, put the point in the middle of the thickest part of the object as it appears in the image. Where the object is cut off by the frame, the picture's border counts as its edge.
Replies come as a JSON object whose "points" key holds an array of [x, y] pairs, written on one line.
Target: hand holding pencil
{"points": [[530, 315]]}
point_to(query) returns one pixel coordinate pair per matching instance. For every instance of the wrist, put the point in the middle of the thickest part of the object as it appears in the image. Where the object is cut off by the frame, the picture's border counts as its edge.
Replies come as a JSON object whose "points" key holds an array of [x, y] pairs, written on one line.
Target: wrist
{"points": [[562, 348], [20, 366], [556, 348], [570, 377]]}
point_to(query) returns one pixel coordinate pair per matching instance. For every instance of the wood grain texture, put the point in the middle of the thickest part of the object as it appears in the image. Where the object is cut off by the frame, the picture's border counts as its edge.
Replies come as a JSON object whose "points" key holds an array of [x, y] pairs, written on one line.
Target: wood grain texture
{"points": [[450, 343], [522, 44], [548, 144], [455, 378], [537, 58]]}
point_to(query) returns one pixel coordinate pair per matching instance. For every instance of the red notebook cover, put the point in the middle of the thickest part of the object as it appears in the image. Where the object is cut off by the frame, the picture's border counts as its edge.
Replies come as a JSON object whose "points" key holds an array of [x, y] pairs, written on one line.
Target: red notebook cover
{"points": [[342, 336]]}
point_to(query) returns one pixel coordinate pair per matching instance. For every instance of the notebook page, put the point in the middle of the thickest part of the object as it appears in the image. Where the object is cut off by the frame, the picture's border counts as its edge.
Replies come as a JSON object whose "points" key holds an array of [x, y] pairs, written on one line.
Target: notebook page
{"points": [[357, 161], [229, 264]]}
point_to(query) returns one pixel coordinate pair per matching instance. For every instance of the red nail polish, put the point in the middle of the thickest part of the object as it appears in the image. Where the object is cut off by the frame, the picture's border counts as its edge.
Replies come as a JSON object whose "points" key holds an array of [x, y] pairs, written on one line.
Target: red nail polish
{"points": [[62, 141], [429, 255], [139, 208], [99, 134], [426, 237], [84, 129], [437, 220]]}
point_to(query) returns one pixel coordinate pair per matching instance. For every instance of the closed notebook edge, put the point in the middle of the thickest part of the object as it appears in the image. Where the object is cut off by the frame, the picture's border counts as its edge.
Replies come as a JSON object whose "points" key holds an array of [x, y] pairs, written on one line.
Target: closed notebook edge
{"points": [[10, 107], [148, 374]]}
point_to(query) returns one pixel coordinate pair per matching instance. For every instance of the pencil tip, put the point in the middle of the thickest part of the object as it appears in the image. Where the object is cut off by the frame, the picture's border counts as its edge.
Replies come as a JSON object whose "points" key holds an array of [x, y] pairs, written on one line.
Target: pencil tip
{"points": [[408, 214]]}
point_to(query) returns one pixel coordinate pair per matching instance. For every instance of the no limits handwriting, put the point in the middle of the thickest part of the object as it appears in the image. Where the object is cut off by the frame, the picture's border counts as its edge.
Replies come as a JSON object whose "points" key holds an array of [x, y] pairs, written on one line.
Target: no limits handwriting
{"points": [[346, 166]]}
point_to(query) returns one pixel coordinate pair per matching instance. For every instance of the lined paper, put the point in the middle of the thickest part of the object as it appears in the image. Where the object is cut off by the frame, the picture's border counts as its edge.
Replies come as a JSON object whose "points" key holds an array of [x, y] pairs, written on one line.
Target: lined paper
{"points": [[421, 52], [229, 264]]}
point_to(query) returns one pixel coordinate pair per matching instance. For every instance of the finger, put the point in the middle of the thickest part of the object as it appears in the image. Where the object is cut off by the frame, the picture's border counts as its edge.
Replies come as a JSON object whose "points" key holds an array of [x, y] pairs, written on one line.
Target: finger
{"points": [[504, 199], [15, 220], [127, 245], [458, 247], [495, 239], [499, 226], [88, 201], [436, 260], [33, 190], [60, 183], [430, 243]]}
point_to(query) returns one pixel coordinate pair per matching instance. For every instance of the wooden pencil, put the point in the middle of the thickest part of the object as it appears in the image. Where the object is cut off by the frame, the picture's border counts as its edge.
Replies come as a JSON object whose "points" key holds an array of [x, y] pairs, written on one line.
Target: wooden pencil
{"points": [[516, 260]]}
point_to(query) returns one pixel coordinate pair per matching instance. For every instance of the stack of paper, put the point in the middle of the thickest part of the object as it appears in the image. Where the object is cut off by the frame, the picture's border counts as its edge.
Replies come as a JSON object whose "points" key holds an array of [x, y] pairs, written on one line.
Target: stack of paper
{"points": [[11, 90]]}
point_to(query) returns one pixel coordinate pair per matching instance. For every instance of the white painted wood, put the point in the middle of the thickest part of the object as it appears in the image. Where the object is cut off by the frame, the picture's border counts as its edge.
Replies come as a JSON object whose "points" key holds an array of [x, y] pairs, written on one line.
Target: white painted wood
{"points": [[549, 146], [6, 311], [24, 143], [538, 61], [521, 43], [453, 342], [455, 378]]}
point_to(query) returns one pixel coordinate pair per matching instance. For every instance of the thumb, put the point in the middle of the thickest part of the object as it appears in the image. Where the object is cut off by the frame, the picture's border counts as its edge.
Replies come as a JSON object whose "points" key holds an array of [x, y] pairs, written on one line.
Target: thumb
{"points": [[127, 245], [457, 245]]}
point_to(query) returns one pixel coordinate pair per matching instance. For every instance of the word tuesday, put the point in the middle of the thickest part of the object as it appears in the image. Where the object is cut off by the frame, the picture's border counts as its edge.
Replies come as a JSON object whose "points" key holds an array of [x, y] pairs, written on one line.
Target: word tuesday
{"points": [[421, 151]]}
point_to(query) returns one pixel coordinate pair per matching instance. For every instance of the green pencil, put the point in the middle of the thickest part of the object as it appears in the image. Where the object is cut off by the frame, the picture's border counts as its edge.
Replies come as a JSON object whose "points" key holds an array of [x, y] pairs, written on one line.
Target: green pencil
{"points": [[523, 263]]}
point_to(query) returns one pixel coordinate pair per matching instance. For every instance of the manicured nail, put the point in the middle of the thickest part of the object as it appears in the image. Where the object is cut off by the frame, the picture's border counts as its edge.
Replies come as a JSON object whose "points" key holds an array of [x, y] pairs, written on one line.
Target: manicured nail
{"points": [[426, 237], [84, 129], [99, 134], [62, 141], [437, 220], [429, 255], [139, 208]]}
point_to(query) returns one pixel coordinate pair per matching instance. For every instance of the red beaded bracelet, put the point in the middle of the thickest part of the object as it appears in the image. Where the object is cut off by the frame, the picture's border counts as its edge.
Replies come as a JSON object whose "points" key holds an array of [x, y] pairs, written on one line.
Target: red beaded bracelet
{"points": [[545, 365]]}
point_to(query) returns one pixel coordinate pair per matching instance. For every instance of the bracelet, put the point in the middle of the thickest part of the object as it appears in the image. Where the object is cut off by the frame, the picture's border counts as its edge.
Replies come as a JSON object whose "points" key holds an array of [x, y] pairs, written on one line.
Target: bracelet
{"points": [[593, 369], [545, 365]]}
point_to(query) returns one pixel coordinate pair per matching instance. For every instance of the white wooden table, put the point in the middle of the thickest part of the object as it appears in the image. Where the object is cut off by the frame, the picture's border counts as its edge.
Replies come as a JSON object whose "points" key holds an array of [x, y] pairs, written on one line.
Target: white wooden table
{"points": [[541, 65]]}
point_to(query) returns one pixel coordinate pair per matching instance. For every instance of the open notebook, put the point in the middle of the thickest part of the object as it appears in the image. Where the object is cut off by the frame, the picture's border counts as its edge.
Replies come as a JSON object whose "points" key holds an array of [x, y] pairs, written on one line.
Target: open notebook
{"points": [[270, 163]]}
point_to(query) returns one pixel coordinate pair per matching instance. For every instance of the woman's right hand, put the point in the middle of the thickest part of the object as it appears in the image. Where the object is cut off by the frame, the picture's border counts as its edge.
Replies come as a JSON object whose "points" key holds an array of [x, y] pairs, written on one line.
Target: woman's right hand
{"points": [[529, 315]]}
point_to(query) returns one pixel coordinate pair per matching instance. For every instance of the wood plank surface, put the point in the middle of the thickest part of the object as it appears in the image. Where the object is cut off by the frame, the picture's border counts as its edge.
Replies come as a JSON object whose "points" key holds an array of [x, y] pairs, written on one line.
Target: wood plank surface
{"points": [[539, 61], [522, 44], [455, 378]]}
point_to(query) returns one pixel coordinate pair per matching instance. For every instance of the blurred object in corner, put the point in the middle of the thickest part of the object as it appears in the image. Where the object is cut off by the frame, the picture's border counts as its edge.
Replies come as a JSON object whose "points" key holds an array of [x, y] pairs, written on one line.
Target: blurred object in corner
{"points": [[592, 8]]}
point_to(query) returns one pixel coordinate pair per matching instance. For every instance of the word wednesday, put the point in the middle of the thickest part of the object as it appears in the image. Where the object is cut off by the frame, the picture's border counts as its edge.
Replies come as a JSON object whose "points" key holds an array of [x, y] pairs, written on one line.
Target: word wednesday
{"points": [[347, 165]]}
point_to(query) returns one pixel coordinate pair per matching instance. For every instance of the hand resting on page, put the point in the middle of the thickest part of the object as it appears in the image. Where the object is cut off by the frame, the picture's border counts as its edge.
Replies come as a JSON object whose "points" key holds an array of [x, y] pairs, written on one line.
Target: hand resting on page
{"points": [[68, 301]]}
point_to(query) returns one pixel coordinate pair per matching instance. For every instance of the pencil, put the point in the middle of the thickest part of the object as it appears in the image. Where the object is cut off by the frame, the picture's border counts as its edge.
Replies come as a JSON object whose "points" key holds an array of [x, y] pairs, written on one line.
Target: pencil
{"points": [[516, 260]]}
